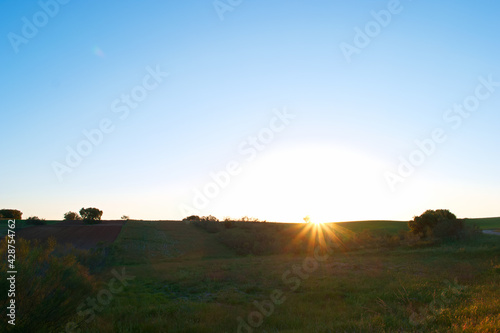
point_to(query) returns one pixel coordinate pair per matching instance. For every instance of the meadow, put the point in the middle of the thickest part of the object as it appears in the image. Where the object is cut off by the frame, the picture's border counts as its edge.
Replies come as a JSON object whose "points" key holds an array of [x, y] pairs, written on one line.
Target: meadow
{"points": [[266, 277]]}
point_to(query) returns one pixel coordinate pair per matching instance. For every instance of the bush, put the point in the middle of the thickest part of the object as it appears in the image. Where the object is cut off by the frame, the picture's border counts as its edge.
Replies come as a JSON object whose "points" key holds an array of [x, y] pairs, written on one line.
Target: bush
{"points": [[95, 259], [191, 218], [35, 220], [11, 214], [91, 215], [439, 223], [50, 287], [250, 219], [209, 223], [209, 218], [448, 229], [229, 223], [71, 216]]}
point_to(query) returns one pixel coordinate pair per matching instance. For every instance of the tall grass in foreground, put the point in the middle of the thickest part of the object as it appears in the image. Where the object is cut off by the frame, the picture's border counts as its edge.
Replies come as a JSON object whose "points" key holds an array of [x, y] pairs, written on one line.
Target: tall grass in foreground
{"points": [[49, 286]]}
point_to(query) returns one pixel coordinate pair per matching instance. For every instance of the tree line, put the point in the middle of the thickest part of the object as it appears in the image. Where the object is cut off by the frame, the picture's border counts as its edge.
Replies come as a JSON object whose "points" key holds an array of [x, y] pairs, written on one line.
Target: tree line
{"points": [[89, 215]]}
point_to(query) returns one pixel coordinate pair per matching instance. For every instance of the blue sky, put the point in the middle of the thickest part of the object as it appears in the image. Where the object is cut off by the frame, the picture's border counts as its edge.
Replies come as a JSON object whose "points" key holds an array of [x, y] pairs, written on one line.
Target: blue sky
{"points": [[352, 120]]}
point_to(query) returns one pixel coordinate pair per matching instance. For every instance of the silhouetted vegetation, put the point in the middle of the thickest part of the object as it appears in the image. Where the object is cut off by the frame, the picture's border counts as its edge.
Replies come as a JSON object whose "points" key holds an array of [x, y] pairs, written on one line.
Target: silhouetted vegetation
{"points": [[192, 218], [95, 259], [209, 223], [229, 223], [72, 216], [212, 224], [11, 214], [91, 215], [35, 220], [440, 224]]}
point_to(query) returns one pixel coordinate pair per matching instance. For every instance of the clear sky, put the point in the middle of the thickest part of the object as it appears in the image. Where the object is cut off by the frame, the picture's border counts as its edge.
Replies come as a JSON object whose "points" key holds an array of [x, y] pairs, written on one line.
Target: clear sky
{"points": [[271, 109]]}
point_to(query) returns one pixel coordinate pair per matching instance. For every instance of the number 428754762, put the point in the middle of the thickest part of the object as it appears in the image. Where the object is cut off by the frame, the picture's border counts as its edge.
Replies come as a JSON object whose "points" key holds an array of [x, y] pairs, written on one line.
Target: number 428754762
{"points": [[11, 241]]}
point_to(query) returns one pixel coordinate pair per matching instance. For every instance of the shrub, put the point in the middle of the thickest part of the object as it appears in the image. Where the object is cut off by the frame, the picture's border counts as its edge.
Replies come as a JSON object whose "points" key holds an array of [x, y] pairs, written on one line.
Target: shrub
{"points": [[49, 288], [408, 238], [229, 223], [440, 223], [95, 259], [91, 215], [209, 218], [192, 218], [71, 216], [11, 214], [209, 223], [250, 219], [448, 229], [35, 220]]}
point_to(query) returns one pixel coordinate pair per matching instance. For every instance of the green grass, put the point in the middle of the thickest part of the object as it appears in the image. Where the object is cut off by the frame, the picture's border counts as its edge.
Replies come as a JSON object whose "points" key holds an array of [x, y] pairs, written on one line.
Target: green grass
{"points": [[391, 227], [186, 281], [486, 223]]}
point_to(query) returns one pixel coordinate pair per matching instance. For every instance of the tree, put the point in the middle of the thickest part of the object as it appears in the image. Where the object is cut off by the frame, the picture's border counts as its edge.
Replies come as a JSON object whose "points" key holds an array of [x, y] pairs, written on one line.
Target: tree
{"points": [[250, 219], [441, 223], [35, 220], [192, 218], [307, 219], [91, 215], [11, 214], [125, 217], [71, 216], [210, 218]]}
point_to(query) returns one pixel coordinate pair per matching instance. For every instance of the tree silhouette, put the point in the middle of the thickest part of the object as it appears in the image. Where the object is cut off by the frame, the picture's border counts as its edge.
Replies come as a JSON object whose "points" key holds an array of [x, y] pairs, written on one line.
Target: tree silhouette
{"points": [[91, 215]]}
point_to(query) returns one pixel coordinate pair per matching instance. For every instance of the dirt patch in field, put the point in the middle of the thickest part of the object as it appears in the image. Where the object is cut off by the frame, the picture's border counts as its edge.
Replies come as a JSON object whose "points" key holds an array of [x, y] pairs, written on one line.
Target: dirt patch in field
{"points": [[77, 233]]}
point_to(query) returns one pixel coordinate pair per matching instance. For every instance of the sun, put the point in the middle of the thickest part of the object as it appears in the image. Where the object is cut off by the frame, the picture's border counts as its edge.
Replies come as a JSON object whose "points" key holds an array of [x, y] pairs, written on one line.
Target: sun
{"points": [[308, 179], [319, 236]]}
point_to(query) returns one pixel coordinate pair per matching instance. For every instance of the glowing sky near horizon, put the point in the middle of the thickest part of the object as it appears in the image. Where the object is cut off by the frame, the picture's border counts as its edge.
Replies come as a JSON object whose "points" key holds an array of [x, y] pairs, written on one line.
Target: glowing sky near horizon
{"points": [[206, 130]]}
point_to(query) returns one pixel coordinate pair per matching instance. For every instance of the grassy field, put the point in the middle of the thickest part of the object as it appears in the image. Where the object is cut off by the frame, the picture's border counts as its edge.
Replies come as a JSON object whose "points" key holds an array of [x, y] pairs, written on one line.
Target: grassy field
{"points": [[185, 280], [393, 227], [266, 277], [486, 223]]}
